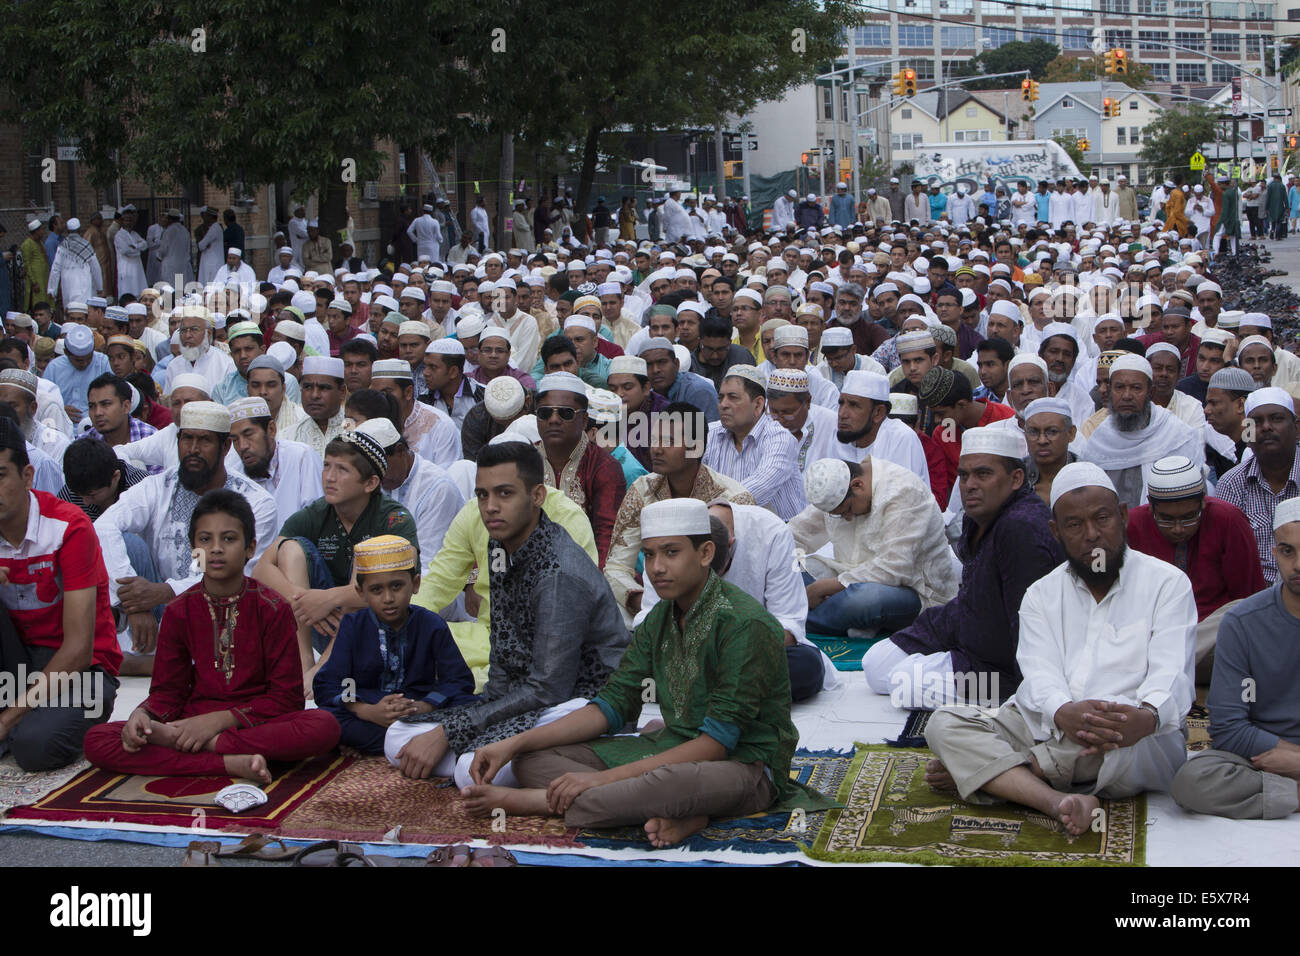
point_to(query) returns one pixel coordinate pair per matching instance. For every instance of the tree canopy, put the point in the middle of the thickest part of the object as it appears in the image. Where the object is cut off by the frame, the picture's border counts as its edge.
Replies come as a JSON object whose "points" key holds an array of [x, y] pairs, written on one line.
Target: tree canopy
{"points": [[1033, 56], [1079, 69], [1170, 140]]}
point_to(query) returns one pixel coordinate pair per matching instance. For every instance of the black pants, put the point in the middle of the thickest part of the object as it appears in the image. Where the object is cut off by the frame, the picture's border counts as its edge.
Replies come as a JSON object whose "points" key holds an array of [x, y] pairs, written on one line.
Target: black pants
{"points": [[1252, 216], [805, 665], [47, 738]]}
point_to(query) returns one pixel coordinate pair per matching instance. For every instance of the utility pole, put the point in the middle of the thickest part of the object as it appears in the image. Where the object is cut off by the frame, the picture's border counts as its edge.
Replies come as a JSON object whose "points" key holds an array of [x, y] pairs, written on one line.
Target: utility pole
{"points": [[720, 191]]}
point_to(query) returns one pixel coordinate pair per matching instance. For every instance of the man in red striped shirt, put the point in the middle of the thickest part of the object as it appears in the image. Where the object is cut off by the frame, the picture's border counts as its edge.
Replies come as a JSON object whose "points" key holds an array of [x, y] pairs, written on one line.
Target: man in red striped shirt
{"points": [[57, 627]]}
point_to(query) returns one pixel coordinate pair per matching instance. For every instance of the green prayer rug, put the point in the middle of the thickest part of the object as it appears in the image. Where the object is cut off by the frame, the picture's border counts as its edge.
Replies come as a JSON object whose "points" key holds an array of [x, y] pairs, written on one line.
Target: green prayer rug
{"points": [[823, 771], [845, 652], [891, 815]]}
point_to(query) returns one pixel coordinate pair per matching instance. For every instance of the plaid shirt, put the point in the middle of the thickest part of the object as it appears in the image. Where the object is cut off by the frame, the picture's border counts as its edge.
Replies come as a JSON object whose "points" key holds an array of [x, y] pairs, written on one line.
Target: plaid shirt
{"points": [[1244, 487], [138, 430]]}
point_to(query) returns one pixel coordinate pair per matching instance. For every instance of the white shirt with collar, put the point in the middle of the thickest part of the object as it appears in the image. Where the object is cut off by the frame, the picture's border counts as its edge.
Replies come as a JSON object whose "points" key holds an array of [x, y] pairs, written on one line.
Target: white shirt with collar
{"points": [[295, 476]]}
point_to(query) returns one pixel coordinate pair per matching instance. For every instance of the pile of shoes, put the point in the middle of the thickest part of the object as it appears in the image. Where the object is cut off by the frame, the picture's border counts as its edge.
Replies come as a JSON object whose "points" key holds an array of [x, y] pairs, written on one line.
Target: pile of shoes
{"points": [[1244, 287]]}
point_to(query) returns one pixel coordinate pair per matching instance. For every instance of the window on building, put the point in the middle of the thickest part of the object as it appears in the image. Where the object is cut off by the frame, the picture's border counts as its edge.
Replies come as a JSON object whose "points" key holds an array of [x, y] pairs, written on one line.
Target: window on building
{"points": [[904, 141], [972, 136], [1254, 44], [905, 114], [1076, 133], [1293, 14], [998, 36], [1159, 71], [1223, 72], [1119, 38], [1134, 135], [1190, 40], [1190, 72], [1153, 41], [828, 100], [1115, 6], [1119, 136], [914, 35], [1257, 11], [877, 34], [1067, 103], [1076, 8], [1224, 43], [956, 6], [1224, 11], [924, 68], [914, 6], [1133, 104], [1153, 8], [956, 38], [972, 112], [1076, 39], [1187, 8]]}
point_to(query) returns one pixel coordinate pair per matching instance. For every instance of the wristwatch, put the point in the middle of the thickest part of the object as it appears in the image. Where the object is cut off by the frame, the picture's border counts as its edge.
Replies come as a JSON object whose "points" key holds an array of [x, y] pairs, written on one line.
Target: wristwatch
{"points": [[1154, 712]]}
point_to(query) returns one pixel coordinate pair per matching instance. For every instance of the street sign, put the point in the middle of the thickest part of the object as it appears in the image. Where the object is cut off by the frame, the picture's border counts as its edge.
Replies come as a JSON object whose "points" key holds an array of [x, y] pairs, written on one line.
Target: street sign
{"points": [[1236, 96], [68, 153], [1197, 162], [1286, 111], [753, 144], [1268, 139]]}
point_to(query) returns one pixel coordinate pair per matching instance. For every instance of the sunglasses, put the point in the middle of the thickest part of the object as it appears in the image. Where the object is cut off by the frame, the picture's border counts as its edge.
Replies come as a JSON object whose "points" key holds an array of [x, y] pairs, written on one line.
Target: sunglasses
{"points": [[566, 414]]}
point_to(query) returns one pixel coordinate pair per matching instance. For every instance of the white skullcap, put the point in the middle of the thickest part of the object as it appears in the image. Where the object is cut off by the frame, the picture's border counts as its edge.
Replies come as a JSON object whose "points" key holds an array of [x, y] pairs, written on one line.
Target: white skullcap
{"points": [[790, 335], [381, 430], [20, 378], [389, 368], [444, 346], [603, 405], [524, 427], [865, 384], [205, 416], [749, 294], [674, 516], [322, 365], [1157, 347], [470, 326], [249, 407], [137, 308], [837, 337], [414, 292], [1055, 406], [1257, 319], [1079, 474], [1107, 317], [693, 305], [1206, 285], [282, 354], [826, 483], [580, 322], [503, 397], [748, 372], [1216, 337], [304, 302], [627, 365], [902, 403], [415, 327], [1131, 363], [654, 342], [1250, 340], [291, 330], [683, 355], [191, 380], [1174, 477], [492, 332], [612, 288], [562, 382], [1286, 512], [884, 287], [1027, 359], [1003, 442], [1272, 395]]}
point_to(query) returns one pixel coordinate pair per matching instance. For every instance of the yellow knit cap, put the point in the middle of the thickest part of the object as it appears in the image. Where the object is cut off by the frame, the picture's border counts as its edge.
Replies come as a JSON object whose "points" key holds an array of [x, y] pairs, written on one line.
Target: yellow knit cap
{"points": [[387, 552]]}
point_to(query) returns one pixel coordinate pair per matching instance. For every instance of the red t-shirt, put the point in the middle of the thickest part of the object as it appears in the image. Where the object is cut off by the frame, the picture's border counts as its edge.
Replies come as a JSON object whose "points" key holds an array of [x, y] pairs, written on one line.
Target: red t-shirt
{"points": [[993, 411], [60, 552]]}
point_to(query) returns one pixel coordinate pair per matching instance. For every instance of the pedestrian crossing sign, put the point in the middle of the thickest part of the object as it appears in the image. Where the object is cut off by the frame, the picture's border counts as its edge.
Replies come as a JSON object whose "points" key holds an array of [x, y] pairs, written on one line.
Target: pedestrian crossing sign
{"points": [[1198, 162]]}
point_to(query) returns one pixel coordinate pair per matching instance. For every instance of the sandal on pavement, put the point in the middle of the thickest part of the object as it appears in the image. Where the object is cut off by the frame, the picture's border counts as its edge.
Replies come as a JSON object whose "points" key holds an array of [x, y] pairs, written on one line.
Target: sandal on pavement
{"points": [[493, 856], [254, 847], [458, 855], [202, 853]]}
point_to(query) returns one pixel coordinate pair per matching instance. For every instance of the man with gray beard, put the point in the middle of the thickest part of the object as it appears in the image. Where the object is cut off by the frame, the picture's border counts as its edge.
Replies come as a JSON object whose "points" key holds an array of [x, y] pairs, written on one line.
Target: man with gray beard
{"points": [[1137, 432]]}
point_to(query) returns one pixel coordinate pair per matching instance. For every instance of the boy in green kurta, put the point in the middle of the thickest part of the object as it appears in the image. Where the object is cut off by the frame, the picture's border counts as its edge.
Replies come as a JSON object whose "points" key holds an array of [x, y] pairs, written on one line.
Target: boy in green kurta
{"points": [[714, 661]]}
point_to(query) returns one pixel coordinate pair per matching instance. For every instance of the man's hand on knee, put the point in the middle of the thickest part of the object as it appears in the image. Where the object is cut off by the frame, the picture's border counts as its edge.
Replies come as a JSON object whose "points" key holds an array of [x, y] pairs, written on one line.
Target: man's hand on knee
{"points": [[421, 754]]}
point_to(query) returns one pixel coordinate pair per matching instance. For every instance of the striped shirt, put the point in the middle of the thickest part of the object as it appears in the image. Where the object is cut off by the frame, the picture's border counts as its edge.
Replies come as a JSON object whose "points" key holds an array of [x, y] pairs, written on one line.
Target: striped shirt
{"points": [[767, 464], [1244, 487]]}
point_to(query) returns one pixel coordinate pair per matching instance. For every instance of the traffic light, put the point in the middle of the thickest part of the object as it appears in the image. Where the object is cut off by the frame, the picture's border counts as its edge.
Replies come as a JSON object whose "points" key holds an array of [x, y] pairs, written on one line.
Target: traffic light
{"points": [[909, 82], [803, 159], [1121, 62], [1106, 104], [899, 85], [846, 168], [1083, 145], [1026, 90], [1033, 90]]}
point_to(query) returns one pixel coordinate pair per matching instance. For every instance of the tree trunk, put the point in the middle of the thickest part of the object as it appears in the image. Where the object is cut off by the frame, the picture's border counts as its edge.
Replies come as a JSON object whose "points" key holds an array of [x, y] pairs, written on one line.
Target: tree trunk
{"points": [[590, 154], [505, 179], [333, 212]]}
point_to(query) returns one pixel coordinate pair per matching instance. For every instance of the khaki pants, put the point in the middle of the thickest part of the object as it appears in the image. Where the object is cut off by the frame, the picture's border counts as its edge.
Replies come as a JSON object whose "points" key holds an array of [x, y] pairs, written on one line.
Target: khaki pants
{"points": [[1207, 633], [1227, 785], [977, 744], [712, 788]]}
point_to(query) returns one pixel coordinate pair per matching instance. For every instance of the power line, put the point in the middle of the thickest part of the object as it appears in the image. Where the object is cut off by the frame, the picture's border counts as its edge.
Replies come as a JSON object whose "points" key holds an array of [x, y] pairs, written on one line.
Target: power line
{"points": [[1053, 8]]}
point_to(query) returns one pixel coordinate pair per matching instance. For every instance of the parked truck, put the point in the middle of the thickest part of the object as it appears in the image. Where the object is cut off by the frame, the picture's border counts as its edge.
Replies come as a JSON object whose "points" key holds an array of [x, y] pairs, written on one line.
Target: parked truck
{"points": [[1009, 162]]}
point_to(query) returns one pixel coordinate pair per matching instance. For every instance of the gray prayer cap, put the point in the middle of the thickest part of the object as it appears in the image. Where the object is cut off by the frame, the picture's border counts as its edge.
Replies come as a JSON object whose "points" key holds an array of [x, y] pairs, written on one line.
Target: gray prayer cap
{"points": [[265, 361], [1233, 380]]}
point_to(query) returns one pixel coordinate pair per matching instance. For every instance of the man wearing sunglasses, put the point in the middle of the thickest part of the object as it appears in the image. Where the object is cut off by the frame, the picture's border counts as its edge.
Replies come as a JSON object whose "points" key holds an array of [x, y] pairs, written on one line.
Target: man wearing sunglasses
{"points": [[1207, 538], [586, 473]]}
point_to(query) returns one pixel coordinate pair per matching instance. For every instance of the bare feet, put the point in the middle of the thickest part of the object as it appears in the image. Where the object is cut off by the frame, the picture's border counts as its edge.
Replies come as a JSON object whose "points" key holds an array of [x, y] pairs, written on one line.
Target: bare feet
{"points": [[481, 799], [1076, 812], [136, 665], [937, 776], [666, 831], [248, 766], [163, 735]]}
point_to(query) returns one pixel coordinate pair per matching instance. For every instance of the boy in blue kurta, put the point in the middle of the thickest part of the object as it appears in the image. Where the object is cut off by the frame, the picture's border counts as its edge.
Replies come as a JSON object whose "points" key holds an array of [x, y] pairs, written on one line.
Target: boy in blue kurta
{"points": [[390, 660]]}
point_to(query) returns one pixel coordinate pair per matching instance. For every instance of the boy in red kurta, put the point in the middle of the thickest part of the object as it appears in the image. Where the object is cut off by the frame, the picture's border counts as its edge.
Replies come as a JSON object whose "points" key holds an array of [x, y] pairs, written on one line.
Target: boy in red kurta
{"points": [[226, 695]]}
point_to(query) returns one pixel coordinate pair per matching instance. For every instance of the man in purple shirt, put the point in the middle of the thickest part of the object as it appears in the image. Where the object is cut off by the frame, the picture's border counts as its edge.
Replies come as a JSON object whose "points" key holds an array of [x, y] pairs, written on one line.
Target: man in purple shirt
{"points": [[965, 650]]}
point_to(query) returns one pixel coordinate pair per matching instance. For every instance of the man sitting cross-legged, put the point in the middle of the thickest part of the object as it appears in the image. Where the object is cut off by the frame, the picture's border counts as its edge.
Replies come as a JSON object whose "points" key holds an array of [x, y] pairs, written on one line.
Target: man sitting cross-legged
{"points": [[1107, 644], [714, 661], [226, 695], [965, 650], [556, 633], [1254, 708]]}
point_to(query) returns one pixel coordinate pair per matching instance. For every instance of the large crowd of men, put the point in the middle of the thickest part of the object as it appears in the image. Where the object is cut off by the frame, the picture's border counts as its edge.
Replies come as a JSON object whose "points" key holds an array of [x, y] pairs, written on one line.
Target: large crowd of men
{"points": [[463, 510]]}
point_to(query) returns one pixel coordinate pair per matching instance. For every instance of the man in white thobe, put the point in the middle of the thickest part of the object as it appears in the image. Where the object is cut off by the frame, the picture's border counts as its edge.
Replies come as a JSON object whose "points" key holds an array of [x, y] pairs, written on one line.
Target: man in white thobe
{"points": [[298, 234], [75, 268], [131, 251], [783, 210], [1107, 649], [173, 254], [676, 223], [210, 247], [427, 235]]}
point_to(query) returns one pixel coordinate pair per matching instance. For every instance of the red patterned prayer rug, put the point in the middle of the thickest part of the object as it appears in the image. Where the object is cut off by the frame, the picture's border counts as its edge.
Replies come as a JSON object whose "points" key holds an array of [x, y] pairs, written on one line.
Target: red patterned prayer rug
{"points": [[371, 797], [98, 796]]}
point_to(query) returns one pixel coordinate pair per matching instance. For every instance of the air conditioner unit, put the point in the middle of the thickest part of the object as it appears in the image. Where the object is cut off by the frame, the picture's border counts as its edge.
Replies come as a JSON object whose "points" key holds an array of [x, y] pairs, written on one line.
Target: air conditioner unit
{"points": [[370, 191]]}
